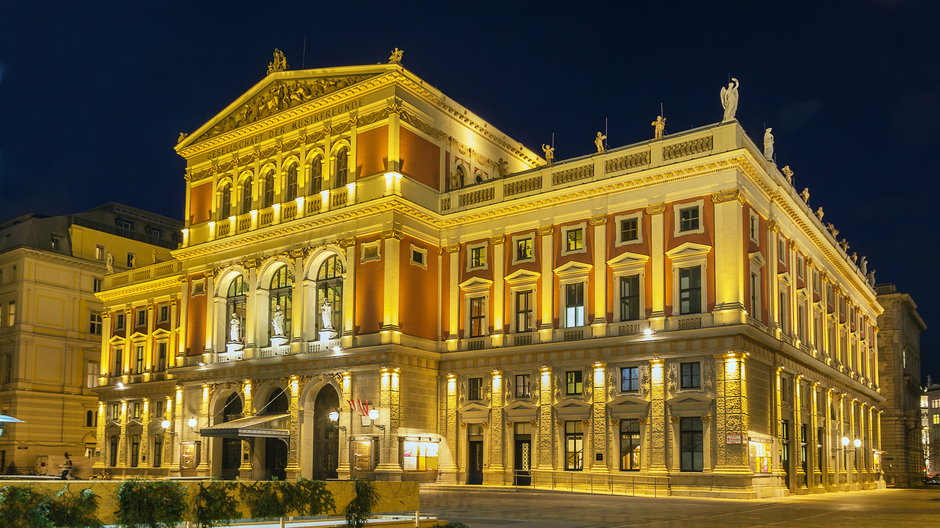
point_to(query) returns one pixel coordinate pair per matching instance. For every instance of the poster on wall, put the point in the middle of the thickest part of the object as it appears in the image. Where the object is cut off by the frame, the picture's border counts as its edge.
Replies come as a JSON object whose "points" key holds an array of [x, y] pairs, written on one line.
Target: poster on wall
{"points": [[189, 455]]}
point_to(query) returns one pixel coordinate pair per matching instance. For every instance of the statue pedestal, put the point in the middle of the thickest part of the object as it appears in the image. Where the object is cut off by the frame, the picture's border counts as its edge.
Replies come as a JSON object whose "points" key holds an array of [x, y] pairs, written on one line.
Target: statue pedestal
{"points": [[279, 341], [326, 335], [234, 347]]}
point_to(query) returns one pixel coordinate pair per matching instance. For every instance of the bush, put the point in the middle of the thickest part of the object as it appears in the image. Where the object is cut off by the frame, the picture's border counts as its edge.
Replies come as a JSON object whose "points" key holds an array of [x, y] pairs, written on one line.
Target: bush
{"points": [[310, 497], [151, 504], [451, 524], [266, 499], [24, 507], [74, 510], [360, 508], [215, 505]]}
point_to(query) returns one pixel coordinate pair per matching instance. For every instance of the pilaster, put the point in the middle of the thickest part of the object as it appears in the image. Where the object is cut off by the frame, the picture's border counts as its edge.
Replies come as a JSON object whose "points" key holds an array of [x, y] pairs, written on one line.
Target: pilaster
{"points": [[731, 414], [494, 472], [349, 292], [599, 323], [499, 288], [342, 467], [547, 282], [453, 296], [546, 433], [657, 267], [599, 441], [122, 439], [729, 248], [391, 260], [389, 402], [292, 469], [657, 422], [449, 459]]}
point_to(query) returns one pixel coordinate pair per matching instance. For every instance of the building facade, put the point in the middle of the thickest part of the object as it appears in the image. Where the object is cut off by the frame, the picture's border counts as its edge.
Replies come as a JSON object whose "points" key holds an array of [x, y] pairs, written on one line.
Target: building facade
{"points": [[900, 327], [50, 325], [375, 282], [930, 428]]}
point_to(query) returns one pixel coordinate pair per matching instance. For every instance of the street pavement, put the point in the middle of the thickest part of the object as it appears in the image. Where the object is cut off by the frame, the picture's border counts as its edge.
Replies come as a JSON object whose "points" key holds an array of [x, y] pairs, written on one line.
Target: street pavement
{"points": [[487, 508]]}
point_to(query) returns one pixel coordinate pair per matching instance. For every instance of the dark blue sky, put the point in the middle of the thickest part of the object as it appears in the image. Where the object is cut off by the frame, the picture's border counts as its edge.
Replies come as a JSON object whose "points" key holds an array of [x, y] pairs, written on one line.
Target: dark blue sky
{"points": [[94, 94]]}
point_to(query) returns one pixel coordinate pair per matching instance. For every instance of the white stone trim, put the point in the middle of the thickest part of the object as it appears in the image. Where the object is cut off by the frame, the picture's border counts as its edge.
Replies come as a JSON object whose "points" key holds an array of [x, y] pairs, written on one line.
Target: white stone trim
{"points": [[677, 208], [639, 229], [515, 239], [564, 239]]}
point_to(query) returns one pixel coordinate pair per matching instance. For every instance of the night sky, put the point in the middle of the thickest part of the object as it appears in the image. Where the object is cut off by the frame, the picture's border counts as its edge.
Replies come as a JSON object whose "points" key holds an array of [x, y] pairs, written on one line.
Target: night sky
{"points": [[94, 94]]}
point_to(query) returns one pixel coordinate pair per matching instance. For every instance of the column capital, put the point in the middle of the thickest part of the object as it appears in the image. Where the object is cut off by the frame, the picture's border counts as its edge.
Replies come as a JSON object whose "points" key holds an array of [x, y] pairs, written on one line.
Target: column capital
{"points": [[656, 209]]}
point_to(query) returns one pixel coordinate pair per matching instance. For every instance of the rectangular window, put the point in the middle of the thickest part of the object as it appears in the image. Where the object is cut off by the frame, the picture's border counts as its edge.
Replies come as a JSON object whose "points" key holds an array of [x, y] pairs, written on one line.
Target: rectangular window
{"points": [[755, 288], [784, 302], [159, 409], [785, 446], [92, 371], [574, 382], [135, 450], [688, 219], [754, 228], [99, 252], [629, 445], [523, 387], [819, 449], [419, 456], [691, 443], [803, 446], [936, 419], [799, 267], [161, 356], [782, 251], [112, 450], [524, 311], [141, 318], [801, 318], [629, 229], [118, 362], [478, 257], [574, 305], [119, 321], [94, 323], [475, 389], [418, 257], [135, 410], [630, 298], [139, 363], [629, 379], [156, 459], [690, 290], [574, 446], [164, 314], [691, 375], [574, 240], [11, 313], [524, 249], [477, 316], [114, 411], [97, 285]]}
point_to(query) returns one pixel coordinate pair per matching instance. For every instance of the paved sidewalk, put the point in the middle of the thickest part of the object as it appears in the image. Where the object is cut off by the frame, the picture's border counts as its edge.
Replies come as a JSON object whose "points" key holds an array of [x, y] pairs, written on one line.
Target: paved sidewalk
{"points": [[545, 509]]}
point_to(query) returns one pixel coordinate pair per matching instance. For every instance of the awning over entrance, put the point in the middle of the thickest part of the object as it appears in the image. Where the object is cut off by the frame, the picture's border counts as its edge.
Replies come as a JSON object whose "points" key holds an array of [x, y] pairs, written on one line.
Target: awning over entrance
{"points": [[260, 426]]}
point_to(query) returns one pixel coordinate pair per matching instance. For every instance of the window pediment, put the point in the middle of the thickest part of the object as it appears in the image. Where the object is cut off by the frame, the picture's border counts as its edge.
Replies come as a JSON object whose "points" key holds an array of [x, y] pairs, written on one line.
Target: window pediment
{"points": [[757, 258], [160, 332], [572, 409], [628, 406], [476, 285], [627, 261], [687, 252], [522, 276], [689, 404], [573, 269]]}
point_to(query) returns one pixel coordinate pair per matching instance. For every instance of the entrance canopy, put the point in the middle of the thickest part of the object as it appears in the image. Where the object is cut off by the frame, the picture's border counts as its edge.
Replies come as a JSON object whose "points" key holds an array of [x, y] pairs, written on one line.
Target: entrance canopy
{"points": [[260, 426]]}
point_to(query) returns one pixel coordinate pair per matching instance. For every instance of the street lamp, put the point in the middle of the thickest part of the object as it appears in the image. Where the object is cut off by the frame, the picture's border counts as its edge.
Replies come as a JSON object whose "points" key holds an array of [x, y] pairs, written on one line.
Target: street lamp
{"points": [[165, 424], [191, 422]]}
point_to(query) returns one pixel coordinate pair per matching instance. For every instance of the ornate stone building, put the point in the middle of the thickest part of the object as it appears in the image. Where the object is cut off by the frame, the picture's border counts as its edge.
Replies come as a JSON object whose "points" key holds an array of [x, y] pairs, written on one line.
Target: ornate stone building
{"points": [[50, 325], [375, 282], [900, 327]]}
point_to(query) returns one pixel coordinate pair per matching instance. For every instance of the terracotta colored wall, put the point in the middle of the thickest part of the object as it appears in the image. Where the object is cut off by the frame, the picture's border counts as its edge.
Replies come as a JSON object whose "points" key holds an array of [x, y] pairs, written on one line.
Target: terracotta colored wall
{"points": [[200, 203], [587, 257], [639, 248], [704, 238], [418, 300], [445, 294], [535, 266], [372, 152], [196, 325], [478, 273], [370, 284], [420, 159], [761, 247]]}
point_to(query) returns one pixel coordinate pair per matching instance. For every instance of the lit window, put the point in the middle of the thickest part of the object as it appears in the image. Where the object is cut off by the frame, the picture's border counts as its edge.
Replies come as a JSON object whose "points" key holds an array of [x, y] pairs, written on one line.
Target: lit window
{"points": [[92, 371], [246, 195], [342, 168], [477, 316], [574, 305], [574, 382], [524, 249], [99, 252], [11, 313], [630, 298], [688, 219], [523, 387], [141, 317], [139, 363], [574, 446], [268, 189], [629, 229], [419, 456], [691, 375], [478, 257], [524, 311], [690, 290], [164, 314], [316, 177], [419, 257], [574, 240], [630, 445], [225, 202], [629, 379], [97, 285]]}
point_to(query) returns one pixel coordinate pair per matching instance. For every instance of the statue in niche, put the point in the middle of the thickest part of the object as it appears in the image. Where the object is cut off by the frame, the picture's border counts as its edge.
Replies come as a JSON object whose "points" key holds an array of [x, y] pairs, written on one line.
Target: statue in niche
{"points": [[549, 153], [805, 194], [277, 321], [729, 99], [132, 260], [768, 145], [599, 142], [234, 329], [109, 262], [863, 265], [395, 57], [279, 63], [326, 314], [820, 213], [659, 127]]}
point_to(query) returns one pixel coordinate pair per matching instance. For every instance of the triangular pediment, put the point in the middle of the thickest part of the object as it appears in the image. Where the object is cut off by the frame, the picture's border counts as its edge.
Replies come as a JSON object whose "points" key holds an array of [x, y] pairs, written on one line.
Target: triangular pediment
{"points": [[279, 92], [474, 412], [572, 268], [628, 406], [475, 284], [691, 402], [522, 276], [757, 258], [688, 250], [521, 405], [572, 408], [627, 400], [628, 260], [473, 407], [138, 336]]}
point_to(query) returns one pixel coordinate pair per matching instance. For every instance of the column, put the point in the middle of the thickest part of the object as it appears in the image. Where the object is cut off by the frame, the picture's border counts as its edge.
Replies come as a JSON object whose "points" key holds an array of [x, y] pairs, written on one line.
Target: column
{"points": [[390, 260], [828, 446], [345, 429], [731, 414], [100, 439], [251, 308], [599, 434], [499, 289], [814, 480], [729, 269], [299, 305], [210, 316], [494, 472], [174, 341], [168, 436], [203, 420], [453, 296], [245, 467], [184, 306], [547, 282], [106, 359], [777, 425], [797, 436], [773, 286], [394, 127], [389, 399], [656, 426], [145, 435], [546, 432], [657, 271], [293, 459], [448, 467], [176, 430], [844, 474], [349, 292], [599, 324], [122, 440]]}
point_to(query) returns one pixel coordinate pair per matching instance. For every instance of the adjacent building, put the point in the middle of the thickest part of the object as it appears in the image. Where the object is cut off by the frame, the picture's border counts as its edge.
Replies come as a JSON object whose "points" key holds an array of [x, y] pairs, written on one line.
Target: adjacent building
{"points": [[51, 325], [930, 428], [899, 329], [375, 282]]}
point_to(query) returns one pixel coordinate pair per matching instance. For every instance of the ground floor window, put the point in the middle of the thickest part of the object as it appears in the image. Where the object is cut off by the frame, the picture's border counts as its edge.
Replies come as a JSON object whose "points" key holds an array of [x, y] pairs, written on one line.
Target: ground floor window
{"points": [[574, 446], [760, 456], [629, 445], [691, 443], [157, 457], [113, 451], [419, 456]]}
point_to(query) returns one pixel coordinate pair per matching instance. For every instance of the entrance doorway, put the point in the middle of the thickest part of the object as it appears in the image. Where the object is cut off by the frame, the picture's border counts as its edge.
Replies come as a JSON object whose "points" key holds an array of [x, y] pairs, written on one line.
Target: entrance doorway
{"points": [[231, 447], [275, 449], [522, 463], [475, 454], [325, 434]]}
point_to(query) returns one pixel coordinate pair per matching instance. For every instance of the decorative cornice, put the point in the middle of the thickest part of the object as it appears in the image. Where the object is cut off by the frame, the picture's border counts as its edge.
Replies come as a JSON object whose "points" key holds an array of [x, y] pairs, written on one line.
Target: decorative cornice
{"points": [[728, 195], [451, 248], [394, 232]]}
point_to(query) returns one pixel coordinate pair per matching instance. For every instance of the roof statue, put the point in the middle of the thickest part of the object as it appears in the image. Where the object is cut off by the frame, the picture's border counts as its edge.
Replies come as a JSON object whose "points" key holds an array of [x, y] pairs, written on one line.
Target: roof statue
{"points": [[768, 145], [659, 127], [279, 63], [788, 172], [863, 266], [395, 57], [599, 142], [820, 213], [181, 137], [729, 99], [549, 153], [805, 194]]}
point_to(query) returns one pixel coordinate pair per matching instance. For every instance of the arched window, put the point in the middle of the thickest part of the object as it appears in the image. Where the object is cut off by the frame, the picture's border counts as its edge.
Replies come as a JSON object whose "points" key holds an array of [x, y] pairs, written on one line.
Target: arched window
{"points": [[316, 176], [459, 176], [291, 183], [225, 202], [282, 286], [235, 301], [342, 168], [246, 195], [330, 295], [268, 189]]}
